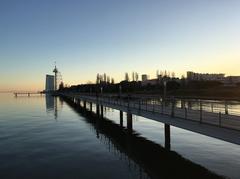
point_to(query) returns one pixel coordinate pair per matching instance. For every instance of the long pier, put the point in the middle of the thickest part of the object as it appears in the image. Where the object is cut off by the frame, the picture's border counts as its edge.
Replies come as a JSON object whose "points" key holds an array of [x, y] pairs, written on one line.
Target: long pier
{"points": [[221, 126]]}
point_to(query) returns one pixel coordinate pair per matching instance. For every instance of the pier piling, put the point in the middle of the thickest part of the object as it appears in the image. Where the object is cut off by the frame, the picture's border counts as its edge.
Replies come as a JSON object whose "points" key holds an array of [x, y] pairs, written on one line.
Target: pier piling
{"points": [[121, 118], [101, 111], [129, 121], [167, 136]]}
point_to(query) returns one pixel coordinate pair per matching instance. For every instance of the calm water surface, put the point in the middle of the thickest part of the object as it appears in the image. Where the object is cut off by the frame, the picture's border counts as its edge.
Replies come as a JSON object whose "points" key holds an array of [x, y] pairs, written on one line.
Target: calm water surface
{"points": [[43, 137]]}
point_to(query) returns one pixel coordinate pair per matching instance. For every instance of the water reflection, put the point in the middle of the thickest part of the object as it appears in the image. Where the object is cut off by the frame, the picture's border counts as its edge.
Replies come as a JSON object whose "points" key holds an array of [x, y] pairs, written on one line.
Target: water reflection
{"points": [[52, 105], [49, 102], [150, 159]]}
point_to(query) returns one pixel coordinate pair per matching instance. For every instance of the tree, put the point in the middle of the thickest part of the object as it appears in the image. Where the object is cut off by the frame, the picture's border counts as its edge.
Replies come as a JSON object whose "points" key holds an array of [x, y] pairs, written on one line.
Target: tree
{"points": [[112, 81], [168, 74], [61, 86], [108, 79], [161, 73], [133, 76], [98, 79], [105, 77], [126, 77], [136, 76], [165, 73], [157, 74]]}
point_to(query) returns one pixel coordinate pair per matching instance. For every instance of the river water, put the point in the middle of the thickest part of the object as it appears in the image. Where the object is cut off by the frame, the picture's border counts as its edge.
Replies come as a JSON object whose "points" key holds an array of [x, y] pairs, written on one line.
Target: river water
{"points": [[46, 137]]}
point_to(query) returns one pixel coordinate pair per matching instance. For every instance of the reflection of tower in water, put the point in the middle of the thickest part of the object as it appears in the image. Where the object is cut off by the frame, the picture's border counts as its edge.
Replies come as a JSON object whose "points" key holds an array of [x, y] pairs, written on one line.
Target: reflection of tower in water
{"points": [[52, 105]]}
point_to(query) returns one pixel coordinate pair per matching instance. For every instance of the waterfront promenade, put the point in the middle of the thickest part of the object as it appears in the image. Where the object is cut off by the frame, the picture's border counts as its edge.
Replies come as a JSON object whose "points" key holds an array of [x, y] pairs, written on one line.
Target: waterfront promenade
{"points": [[221, 126]]}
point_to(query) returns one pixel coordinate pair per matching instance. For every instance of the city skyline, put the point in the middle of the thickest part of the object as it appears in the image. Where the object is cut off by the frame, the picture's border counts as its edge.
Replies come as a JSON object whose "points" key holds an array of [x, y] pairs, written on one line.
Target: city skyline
{"points": [[86, 38]]}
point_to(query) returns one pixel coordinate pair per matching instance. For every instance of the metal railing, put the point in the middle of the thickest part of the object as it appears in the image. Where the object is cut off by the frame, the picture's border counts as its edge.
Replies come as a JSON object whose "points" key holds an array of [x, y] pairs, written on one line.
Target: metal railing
{"points": [[169, 107]]}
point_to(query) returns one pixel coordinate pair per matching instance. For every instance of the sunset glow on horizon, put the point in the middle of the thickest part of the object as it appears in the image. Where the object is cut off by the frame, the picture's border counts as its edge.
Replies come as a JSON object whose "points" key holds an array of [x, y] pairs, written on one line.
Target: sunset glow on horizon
{"points": [[114, 37]]}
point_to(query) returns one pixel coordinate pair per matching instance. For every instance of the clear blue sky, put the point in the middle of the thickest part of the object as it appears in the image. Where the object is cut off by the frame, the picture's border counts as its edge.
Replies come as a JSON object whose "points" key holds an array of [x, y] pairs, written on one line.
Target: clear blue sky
{"points": [[97, 36]]}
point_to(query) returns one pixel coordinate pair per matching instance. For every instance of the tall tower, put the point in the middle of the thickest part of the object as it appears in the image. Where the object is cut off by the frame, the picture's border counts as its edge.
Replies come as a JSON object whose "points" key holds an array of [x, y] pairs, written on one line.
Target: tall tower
{"points": [[55, 71]]}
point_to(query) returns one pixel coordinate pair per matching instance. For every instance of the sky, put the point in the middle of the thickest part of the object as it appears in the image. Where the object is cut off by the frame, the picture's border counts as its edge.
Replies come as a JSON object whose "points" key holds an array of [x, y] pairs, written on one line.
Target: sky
{"points": [[86, 37]]}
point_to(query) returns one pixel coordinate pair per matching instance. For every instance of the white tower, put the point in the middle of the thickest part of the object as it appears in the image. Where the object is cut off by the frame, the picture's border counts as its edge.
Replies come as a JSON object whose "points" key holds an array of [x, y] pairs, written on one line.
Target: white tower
{"points": [[55, 71]]}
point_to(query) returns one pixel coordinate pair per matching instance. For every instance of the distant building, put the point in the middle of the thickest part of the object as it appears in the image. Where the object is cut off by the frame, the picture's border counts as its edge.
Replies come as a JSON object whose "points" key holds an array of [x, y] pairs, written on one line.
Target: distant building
{"points": [[226, 80], [144, 77], [49, 83], [205, 76]]}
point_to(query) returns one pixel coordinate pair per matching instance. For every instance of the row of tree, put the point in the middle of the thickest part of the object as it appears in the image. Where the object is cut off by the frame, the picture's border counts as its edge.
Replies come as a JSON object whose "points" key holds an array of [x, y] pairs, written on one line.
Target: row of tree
{"points": [[106, 84], [104, 79]]}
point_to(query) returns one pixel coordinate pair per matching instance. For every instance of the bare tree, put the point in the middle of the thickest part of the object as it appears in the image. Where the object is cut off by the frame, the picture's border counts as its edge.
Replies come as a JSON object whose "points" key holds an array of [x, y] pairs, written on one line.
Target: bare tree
{"points": [[104, 77], [173, 74], [112, 81], [161, 73], [133, 76], [108, 79], [168, 74], [61, 86], [98, 79], [165, 73], [157, 74], [126, 77], [136, 76]]}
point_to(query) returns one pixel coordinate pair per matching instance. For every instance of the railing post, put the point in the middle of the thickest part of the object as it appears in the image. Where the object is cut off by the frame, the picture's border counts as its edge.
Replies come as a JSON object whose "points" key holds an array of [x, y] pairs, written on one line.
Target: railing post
{"points": [[153, 106], [167, 136], [97, 109], [185, 113], [200, 111], [91, 106], [139, 105], [162, 107], [129, 121], [146, 106], [121, 118], [101, 108], [220, 118], [173, 106]]}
